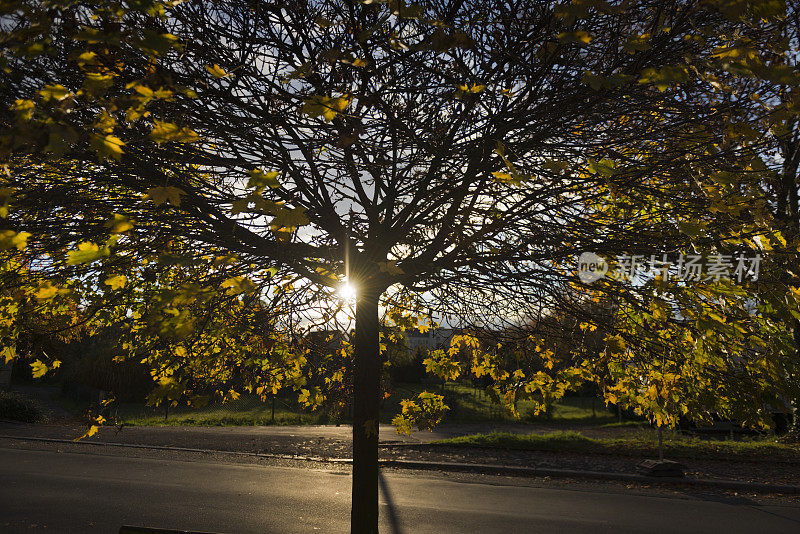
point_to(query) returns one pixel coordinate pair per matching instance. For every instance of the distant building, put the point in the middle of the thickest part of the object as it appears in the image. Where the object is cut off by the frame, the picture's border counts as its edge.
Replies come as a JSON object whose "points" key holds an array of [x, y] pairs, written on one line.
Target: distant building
{"points": [[327, 341], [435, 338]]}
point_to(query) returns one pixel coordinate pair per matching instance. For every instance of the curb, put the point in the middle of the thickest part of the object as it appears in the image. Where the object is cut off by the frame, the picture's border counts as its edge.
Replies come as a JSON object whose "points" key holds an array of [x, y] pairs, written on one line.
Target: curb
{"points": [[598, 475], [181, 449], [495, 469]]}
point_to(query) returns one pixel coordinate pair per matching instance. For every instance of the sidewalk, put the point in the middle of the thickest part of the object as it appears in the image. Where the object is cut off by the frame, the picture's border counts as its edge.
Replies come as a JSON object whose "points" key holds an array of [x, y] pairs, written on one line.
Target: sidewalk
{"points": [[269, 438]]}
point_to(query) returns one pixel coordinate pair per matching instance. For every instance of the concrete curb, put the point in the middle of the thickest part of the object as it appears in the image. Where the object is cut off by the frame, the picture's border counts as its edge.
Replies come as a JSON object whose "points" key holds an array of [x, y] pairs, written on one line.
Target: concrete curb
{"points": [[494, 469], [598, 475], [180, 449]]}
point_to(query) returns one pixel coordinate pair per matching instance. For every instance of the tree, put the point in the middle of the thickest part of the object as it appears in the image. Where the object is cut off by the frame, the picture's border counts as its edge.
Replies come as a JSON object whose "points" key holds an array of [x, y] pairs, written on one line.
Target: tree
{"points": [[772, 76], [755, 69], [456, 151]]}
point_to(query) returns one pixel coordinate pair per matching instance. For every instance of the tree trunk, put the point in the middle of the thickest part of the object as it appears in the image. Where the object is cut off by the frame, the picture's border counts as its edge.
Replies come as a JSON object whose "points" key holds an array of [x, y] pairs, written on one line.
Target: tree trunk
{"points": [[366, 394]]}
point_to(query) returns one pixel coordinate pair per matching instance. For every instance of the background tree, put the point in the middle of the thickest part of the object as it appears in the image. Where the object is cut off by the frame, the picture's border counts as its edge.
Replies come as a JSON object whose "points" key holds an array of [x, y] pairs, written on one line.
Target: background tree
{"points": [[770, 80]]}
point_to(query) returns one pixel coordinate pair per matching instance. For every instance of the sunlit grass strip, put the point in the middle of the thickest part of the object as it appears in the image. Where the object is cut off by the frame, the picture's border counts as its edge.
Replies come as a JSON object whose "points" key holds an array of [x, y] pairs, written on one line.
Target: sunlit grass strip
{"points": [[678, 447]]}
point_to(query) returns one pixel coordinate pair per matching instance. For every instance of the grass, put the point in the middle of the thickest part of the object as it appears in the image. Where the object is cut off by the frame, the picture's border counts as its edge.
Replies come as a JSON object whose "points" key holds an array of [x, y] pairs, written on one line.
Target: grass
{"points": [[575, 410], [626, 424], [642, 444], [245, 411], [553, 441], [467, 404]]}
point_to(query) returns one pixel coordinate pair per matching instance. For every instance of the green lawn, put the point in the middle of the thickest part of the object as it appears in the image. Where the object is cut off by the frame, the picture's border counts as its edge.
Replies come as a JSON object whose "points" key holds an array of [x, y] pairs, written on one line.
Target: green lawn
{"points": [[241, 412], [643, 443], [466, 405]]}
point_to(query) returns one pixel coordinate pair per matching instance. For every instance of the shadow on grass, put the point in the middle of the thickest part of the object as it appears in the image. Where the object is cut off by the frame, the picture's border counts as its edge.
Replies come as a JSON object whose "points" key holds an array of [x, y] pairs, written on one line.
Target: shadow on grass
{"points": [[472, 405], [241, 412], [467, 405]]}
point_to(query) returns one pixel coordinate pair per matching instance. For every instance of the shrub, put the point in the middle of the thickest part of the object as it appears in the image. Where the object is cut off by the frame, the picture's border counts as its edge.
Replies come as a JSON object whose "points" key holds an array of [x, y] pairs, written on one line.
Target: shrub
{"points": [[18, 407]]}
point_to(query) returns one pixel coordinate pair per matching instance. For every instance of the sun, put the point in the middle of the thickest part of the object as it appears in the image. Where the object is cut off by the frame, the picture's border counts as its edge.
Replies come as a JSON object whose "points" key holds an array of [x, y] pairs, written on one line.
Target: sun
{"points": [[347, 291]]}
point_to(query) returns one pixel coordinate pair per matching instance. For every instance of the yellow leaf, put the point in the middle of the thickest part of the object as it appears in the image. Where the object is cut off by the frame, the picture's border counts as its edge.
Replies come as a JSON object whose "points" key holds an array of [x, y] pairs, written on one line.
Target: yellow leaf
{"points": [[143, 90], [615, 344], [464, 88], [734, 52], [87, 252], [96, 83], [326, 106], [38, 369], [105, 123], [260, 179], [664, 77], [24, 109], [116, 282], [637, 43], [108, 145], [330, 275], [46, 291], [240, 205], [119, 224], [217, 71], [9, 353], [54, 92], [155, 43], [238, 284], [503, 176], [11, 239], [167, 131], [89, 433], [575, 37], [56, 364], [289, 218], [165, 194], [87, 58]]}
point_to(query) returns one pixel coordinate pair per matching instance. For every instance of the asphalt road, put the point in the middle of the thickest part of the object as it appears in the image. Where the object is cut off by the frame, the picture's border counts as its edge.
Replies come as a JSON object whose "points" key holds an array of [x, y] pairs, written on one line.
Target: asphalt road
{"points": [[49, 491]]}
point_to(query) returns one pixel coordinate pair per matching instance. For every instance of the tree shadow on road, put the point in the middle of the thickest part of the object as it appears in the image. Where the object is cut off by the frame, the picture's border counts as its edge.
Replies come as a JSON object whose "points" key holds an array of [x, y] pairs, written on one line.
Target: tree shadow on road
{"points": [[394, 521]]}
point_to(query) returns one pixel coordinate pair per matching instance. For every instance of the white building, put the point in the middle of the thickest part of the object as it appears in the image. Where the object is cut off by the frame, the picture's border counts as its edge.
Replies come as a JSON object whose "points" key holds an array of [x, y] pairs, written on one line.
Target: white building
{"points": [[434, 338]]}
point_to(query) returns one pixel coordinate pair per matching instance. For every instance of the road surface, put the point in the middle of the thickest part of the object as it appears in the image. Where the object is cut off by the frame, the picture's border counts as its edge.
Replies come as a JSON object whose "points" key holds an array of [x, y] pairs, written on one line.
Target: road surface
{"points": [[50, 491]]}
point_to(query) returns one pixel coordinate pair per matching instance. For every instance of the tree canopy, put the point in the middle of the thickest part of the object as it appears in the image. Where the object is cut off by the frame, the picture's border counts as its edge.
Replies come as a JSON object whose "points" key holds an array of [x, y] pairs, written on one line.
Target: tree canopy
{"points": [[247, 159]]}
